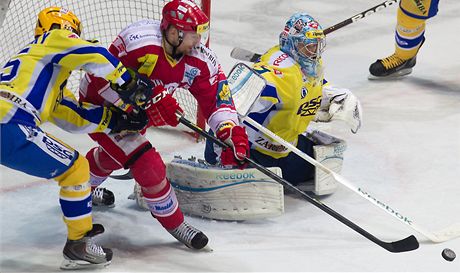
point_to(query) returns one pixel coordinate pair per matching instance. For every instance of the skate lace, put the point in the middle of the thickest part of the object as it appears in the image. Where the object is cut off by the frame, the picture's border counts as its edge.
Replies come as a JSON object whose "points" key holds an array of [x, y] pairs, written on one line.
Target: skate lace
{"points": [[98, 194], [392, 61], [185, 232], [94, 249]]}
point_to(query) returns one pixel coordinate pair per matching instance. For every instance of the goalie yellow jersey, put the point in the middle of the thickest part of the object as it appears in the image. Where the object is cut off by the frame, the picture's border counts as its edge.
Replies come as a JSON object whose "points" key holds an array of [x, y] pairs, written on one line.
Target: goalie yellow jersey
{"points": [[287, 104], [33, 83]]}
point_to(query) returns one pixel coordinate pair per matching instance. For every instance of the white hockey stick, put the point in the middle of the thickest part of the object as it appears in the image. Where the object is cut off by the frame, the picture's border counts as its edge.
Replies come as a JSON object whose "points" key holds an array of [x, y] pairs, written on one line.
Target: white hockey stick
{"points": [[242, 80]]}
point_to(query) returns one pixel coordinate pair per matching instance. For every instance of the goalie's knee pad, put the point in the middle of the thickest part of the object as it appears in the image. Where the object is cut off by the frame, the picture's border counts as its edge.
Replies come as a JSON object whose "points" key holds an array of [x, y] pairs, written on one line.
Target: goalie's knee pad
{"points": [[149, 171], [329, 152]]}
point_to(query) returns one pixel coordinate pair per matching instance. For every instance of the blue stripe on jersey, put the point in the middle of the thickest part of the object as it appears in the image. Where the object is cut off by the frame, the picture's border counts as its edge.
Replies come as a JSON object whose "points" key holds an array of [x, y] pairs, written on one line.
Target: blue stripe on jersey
{"points": [[269, 91], [24, 50], [22, 117], [87, 114], [409, 43], [36, 96], [126, 76], [260, 117], [76, 208]]}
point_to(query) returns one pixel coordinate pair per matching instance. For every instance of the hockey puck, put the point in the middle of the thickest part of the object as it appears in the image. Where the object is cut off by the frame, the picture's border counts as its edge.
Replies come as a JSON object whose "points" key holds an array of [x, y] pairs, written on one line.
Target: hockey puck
{"points": [[448, 254]]}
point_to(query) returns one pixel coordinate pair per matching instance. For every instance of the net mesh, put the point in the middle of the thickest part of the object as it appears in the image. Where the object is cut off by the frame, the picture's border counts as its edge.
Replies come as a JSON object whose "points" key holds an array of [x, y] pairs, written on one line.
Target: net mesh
{"points": [[101, 19]]}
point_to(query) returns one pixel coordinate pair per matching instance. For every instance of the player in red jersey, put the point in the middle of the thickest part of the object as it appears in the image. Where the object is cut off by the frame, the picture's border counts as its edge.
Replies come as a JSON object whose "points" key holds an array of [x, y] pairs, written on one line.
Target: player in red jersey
{"points": [[173, 55]]}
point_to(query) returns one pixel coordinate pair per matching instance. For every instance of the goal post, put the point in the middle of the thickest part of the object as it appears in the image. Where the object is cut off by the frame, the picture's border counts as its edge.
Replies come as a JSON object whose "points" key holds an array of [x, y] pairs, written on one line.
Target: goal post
{"points": [[101, 20]]}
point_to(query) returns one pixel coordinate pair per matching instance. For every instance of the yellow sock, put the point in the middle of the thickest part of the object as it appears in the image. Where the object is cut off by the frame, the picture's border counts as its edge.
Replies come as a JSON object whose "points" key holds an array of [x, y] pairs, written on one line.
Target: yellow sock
{"points": [[409, 35], [75, 198]]}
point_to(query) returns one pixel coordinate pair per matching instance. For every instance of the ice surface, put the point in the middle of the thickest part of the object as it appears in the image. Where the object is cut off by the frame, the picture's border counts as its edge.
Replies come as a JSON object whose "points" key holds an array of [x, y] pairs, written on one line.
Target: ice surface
{"points": [[407, 154]]}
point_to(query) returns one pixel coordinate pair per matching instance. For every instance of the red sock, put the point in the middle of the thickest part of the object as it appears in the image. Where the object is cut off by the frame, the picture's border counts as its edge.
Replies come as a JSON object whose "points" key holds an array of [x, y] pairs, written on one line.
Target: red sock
{"points": [[165, 207]]}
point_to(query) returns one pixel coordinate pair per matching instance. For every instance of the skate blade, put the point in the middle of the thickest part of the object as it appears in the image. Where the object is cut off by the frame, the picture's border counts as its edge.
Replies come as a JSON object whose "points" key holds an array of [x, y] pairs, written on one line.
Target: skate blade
{"points": [[207, 248], [401, 73], [80, 265]]}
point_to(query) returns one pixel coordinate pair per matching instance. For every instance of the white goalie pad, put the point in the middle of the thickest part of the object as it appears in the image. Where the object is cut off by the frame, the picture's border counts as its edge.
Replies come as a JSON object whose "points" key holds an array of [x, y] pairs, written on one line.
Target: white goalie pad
{"points": [[328, 152], [225, 194]]}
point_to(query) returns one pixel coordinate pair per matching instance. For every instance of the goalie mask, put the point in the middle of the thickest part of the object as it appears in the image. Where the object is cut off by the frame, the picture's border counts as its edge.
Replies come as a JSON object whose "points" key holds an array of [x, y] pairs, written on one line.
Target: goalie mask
{"points": [[303, 39], [186, 16], [57, 18]]}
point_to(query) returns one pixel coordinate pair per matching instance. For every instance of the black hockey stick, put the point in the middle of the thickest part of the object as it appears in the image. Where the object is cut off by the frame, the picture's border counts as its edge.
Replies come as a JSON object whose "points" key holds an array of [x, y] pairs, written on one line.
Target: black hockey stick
{"points": [[246, 55], [125, 176], [406, 244]]}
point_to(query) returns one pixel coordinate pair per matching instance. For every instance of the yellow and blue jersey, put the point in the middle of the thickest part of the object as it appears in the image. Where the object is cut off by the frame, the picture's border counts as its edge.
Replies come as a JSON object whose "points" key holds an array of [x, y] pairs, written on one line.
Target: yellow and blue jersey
{"points": [[287, 104], [33, 83]]}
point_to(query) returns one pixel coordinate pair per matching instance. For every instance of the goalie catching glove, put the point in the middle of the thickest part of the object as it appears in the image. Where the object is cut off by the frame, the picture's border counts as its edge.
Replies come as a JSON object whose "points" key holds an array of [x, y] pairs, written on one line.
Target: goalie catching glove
{"points": [[162, 108], [340, 104], [237, 138]]}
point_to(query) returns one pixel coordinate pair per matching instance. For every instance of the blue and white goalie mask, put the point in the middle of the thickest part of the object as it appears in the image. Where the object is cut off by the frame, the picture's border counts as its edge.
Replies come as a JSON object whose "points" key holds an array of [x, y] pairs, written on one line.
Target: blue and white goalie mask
{"points": [[303, 39]]}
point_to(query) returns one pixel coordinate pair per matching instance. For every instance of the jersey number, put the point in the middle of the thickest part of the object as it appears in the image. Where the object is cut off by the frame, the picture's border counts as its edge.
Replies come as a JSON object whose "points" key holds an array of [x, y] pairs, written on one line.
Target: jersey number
{"points": [[10, 70]]}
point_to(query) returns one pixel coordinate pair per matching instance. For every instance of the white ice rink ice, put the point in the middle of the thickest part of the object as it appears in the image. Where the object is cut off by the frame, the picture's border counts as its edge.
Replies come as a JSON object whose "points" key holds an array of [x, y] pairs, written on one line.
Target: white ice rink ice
{"points": [[407, 154]]}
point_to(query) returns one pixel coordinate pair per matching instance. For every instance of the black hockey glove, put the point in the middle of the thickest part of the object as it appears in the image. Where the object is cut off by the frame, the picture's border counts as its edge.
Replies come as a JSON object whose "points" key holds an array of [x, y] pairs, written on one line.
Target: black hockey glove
{"points": [[129, 122], [137, 91]]}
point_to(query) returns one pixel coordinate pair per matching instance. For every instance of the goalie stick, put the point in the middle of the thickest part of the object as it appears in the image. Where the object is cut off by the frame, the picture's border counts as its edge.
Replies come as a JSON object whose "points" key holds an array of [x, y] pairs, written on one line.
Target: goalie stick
{"points": [[249, 56], [246, 86]]}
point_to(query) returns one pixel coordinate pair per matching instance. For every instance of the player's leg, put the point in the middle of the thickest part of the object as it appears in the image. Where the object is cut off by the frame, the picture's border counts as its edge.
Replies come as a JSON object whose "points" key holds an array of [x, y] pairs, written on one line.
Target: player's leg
{"points": [[409, 37], [30, 150], [133, 151], [149, 171], [103, 163]]}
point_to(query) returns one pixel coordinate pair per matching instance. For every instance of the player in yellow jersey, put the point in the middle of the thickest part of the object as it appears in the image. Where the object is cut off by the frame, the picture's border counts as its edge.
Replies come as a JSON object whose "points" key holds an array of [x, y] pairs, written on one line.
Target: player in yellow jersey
{"points": [[296, 94], [33, 91], [409, 37]]}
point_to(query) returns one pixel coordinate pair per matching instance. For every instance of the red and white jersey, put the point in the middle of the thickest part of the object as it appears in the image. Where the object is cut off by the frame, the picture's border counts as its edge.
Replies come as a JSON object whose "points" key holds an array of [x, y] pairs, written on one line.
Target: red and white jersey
{"points": [[139, 46]]}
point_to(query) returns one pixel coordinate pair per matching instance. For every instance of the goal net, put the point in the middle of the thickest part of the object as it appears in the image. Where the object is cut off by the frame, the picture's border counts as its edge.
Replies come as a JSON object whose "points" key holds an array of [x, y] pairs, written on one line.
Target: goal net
{"points": [[101, 19]]}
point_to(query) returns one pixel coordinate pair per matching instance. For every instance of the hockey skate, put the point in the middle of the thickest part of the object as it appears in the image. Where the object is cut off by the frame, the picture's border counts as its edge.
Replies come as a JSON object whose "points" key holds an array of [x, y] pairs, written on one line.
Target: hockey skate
{"points": [[391, 67], [85, 254], [102, 197], [189, 236]]}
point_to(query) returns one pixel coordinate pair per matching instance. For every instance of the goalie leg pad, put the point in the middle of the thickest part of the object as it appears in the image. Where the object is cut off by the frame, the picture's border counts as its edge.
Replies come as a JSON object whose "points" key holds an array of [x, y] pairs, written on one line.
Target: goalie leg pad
{"points": [[330, 155], [225, 194]]}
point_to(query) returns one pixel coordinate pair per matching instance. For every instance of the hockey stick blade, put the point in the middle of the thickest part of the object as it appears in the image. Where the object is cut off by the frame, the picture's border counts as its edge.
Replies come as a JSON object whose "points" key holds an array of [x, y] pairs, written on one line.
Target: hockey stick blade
{"points": [[126, 176], [407, 244], [244, 55]]}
